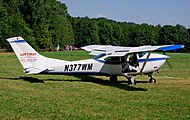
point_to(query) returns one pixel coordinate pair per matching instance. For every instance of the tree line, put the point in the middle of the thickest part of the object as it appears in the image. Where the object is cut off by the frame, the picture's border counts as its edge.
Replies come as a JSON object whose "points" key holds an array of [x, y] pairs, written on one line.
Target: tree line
{"points": [[47, 23]]}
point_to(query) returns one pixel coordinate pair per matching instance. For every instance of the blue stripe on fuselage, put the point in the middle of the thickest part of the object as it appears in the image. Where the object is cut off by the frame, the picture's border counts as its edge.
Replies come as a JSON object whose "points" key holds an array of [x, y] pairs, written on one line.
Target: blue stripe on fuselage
{"points": [[140, 60], [151, 59]]}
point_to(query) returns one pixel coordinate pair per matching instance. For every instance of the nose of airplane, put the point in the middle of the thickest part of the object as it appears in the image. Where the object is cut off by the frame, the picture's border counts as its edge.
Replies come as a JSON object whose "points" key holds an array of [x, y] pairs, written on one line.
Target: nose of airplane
{"points": [[162, 59], [165, 56], [166, 61]]}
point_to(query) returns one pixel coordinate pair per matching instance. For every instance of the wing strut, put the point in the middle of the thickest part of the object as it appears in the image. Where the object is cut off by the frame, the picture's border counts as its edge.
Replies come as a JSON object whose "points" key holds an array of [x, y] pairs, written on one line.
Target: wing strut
{"points": [[145, 62]]}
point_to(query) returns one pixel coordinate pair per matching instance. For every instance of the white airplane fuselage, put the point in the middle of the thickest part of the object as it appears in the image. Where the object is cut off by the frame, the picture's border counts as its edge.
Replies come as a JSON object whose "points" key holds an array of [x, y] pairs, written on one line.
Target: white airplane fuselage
{"points": [[102, 67]]}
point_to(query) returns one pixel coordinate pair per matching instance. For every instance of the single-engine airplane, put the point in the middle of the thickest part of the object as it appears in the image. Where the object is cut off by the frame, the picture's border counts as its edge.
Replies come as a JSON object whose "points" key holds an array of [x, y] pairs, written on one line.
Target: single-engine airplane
{"points": [[109, 60]]}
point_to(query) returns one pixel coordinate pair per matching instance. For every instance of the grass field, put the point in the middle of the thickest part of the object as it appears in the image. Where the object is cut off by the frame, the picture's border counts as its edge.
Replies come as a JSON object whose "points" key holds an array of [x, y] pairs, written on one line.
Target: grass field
{"points": [[93, 97]]}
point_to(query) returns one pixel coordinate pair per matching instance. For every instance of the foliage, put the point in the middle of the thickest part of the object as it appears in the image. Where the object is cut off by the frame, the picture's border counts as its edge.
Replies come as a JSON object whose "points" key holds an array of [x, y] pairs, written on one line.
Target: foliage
{"points": [[46, 23], [103, 31], [43, 23]]}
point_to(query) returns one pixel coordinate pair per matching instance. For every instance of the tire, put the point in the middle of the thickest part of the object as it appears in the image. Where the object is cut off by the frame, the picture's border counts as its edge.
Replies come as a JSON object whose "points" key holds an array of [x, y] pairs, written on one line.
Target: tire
{"points": [[131, 81], [152, 80]]}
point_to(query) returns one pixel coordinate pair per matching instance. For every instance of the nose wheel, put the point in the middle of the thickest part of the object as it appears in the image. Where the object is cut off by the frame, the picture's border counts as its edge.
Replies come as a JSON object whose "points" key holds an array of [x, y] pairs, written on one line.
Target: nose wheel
{"points": [[152, 80]]}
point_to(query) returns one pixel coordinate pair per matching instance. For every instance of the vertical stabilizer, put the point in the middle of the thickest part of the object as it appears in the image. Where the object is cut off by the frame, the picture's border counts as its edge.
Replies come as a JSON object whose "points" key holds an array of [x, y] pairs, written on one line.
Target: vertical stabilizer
{"points": [[32, 61], [25, 53]]}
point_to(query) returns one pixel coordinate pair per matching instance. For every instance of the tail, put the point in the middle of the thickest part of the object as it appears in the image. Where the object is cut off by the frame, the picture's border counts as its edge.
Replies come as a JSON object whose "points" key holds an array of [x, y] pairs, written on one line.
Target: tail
{"points": [[32, 61]]}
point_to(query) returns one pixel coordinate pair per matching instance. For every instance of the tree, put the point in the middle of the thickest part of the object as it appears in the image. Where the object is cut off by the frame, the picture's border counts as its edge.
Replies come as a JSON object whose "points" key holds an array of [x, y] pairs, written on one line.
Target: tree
{"points": [[46, 23], [60, 25], [35, 20], [4, 27]]}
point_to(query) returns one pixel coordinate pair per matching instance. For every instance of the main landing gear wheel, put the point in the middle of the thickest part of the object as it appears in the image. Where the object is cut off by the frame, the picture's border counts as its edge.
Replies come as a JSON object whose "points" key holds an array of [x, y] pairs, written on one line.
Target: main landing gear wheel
{"points": [[131, 81], [152, 80]]}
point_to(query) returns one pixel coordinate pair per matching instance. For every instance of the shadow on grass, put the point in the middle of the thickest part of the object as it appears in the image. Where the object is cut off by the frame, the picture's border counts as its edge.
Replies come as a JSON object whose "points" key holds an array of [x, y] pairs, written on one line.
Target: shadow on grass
{"points": [[120, 84], [27, 79], [32, 80]]}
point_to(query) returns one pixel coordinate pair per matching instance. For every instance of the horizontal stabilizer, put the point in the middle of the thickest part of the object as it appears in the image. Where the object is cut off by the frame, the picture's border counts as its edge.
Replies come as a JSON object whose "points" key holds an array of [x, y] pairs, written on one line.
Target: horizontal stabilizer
{"points": [[31, 71]]}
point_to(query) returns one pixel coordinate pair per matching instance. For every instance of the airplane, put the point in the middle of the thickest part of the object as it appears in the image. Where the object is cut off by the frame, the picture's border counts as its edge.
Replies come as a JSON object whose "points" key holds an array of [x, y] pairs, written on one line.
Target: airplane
{"points": [[111, 61]]}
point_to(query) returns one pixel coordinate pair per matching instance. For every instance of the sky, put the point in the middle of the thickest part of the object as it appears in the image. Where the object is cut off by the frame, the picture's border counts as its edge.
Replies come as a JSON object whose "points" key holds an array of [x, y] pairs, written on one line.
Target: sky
{"points": [[154, 12]]}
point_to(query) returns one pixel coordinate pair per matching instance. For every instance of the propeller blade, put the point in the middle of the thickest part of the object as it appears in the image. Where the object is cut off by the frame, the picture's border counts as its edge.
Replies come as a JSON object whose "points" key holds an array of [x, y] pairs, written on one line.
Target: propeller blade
{"points": [[169, 64]]}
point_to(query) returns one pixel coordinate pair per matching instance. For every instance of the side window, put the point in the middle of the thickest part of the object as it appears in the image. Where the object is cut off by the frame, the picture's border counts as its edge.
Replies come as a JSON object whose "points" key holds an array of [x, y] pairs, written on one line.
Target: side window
{"points": [[113, 60]]}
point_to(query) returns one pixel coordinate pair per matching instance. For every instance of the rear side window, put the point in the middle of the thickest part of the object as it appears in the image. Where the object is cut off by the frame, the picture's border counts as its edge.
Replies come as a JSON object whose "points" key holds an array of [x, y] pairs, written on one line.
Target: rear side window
{"points": [[99, 56]]}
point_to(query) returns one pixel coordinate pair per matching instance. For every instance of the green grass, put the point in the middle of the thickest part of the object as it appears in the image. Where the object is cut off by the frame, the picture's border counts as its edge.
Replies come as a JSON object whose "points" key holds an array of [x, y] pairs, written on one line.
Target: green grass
{"points": [[93, 97]]}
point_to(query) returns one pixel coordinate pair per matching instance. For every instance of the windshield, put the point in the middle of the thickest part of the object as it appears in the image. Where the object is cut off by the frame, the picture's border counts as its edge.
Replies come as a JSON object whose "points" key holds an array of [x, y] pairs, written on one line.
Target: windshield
{"points": [[141, 54]]}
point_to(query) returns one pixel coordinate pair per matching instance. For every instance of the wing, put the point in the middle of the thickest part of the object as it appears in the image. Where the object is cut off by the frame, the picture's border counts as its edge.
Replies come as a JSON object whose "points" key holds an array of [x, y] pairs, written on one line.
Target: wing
{"points": [[121, 51], [153, 48], [114, 50]]}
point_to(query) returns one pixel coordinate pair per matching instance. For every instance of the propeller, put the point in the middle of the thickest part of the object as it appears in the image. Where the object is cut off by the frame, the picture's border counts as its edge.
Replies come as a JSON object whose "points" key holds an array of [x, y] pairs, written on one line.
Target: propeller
{"points": [[169, 64], [167, 61]]}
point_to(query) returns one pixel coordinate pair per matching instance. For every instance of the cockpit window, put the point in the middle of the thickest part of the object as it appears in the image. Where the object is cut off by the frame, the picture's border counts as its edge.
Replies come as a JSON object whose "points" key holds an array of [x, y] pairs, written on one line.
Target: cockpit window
{"points": [[141, 54], [113, 60], [99, 56]]}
